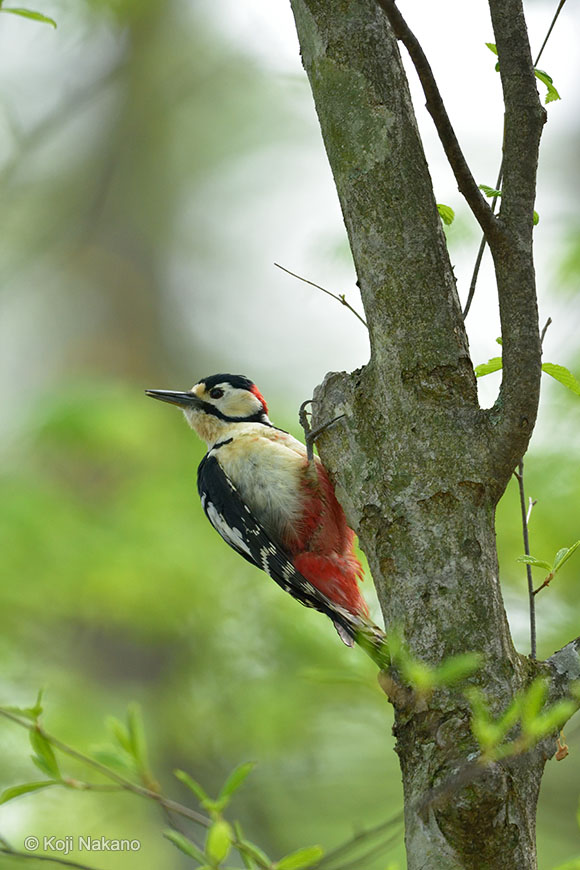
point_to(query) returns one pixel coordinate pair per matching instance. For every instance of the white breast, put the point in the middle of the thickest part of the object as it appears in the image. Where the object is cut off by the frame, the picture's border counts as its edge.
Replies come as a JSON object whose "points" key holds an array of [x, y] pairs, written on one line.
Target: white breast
{"points": [[265, 466]]}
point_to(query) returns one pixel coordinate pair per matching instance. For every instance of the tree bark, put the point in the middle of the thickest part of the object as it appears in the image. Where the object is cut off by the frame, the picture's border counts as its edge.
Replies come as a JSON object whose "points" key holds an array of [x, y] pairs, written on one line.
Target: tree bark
{"points": [[418, 466]]}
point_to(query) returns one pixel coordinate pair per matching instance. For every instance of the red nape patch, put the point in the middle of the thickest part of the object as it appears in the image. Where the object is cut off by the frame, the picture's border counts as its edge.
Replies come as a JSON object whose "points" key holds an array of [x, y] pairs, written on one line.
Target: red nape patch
{"points": [[259, 396]]}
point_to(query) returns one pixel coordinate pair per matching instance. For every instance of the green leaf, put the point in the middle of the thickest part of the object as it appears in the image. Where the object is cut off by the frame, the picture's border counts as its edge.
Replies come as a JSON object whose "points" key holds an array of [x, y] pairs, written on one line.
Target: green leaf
{"points": [[29, 712], [219, 841], [121, 734], [552, 720], [300, 859], [561, 374], [499, 340], [236, 779], [112, 757], [193, 786], [492, 47], [489, 191], [533, 700], [45, 758], [535, 218], [35, 16], [137, 741], [492, 365], [457, 668], [17, 790], [547, 80], [250, 850], [562, 556], [446, 213], [184, 845], [535, 563]]}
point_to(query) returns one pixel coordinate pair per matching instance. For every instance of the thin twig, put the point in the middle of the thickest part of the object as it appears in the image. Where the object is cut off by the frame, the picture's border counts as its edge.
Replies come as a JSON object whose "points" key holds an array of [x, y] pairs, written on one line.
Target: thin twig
{"points": [[437, 110], [339, 297], [531, 504], [546, 582], [498, 183], [481, 250], [544, 330], [140, 790], [532, 604], [362, 837], [34, 856]]}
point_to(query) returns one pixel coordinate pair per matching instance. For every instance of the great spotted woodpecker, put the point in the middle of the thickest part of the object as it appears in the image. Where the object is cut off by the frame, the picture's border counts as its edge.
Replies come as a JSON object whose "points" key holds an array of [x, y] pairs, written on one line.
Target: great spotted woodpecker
{"points": [[272, 505]]}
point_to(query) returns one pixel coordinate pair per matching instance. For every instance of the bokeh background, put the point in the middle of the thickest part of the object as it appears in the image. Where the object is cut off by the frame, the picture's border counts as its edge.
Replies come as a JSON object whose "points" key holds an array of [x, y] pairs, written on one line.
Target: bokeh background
{"points": [[156, 160]]}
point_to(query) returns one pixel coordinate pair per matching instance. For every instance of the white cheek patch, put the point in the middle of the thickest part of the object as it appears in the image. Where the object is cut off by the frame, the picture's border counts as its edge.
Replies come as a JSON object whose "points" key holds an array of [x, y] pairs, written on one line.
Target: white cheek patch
{"points": [[230, 535]]}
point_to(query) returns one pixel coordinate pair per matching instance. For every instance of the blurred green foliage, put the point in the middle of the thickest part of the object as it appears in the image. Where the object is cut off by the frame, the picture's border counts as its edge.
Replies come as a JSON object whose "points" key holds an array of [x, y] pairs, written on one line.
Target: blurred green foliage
{"points": [[114, 587]]}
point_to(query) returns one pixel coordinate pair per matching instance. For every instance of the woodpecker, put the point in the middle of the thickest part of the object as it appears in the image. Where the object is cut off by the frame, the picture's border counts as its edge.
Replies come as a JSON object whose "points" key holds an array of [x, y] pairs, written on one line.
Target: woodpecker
{"points": [[273, 505]]}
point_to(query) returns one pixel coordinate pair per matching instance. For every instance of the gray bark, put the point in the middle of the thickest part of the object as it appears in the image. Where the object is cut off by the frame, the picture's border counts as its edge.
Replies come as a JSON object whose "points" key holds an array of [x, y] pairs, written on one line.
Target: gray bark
{"points": [[418, 466]]}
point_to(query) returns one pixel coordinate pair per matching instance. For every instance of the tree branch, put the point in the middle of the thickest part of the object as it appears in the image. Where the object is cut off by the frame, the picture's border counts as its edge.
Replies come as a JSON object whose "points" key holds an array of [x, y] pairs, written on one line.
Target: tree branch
{"points": [[436, 108], [514, 413]]}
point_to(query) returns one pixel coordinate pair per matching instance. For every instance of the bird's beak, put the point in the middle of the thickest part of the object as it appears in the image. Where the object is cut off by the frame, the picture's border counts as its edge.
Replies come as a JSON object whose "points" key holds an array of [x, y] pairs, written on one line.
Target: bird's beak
{"points": [[183, 400]]}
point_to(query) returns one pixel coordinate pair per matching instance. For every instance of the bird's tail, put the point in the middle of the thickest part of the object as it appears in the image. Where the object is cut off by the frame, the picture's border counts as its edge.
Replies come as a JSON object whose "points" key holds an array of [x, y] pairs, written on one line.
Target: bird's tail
{"points": [[358, 628]]}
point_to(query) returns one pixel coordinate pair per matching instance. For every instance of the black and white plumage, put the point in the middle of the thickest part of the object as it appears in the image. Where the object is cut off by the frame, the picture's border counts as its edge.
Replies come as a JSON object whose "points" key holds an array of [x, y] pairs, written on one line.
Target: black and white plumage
{"points": [[236, 524], [274, 505]]}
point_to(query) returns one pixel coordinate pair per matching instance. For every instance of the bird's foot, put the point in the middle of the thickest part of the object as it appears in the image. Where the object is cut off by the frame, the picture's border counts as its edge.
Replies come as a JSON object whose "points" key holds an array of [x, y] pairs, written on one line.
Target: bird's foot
{"points": [[310, 434]]}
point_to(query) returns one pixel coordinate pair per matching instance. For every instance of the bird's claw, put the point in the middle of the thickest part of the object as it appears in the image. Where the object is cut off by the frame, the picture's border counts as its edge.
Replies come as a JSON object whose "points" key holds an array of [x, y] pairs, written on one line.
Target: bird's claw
{"points": [[310, 435]]}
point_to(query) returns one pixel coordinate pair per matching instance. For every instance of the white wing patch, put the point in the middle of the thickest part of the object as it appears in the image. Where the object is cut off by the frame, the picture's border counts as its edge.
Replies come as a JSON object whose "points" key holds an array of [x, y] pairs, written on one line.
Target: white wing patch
{"points": [[230, 535], [269, 550]]}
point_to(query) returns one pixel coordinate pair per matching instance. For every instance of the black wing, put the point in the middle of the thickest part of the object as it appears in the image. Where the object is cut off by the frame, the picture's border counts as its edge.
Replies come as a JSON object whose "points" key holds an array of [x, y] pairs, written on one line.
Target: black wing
{"points": [[234, 521]]}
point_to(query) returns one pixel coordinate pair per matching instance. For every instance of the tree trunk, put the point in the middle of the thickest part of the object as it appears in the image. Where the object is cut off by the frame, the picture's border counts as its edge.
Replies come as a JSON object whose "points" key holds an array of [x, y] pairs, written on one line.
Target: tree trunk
{"points": [[418, 466]]}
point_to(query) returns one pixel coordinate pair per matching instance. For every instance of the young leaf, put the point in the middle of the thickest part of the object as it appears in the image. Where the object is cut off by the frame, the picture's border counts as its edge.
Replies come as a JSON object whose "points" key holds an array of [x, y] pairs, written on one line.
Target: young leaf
{"points": [[236, 779], [250, 850], [547, 80], [137, 741], [184, 845], [246, 861], [112, 757], [489, 191], [17, 790], [535, 563], [302, 858], [551, 720], [35, 16], [219, 841], [29, 712], [492, 365], [45, 758], [121, 734], [561, 373], [499, 340], [193, 786], [492, 47], [563, 555], [446, 213], [533, 700], [456, 668]]}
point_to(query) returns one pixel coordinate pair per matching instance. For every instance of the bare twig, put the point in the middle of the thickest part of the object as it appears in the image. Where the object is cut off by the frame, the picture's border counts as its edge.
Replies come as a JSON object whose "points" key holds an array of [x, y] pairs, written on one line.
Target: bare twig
{"points": [[481, 250], [361, 838], [531, 593], [340, 297], [545, 329], [546, 582], [437, 110], [34, 856]]}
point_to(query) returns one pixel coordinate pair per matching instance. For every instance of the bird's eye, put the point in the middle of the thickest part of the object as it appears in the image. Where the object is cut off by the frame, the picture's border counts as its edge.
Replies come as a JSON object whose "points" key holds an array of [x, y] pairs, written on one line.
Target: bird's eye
{"points": [[216, 393]]}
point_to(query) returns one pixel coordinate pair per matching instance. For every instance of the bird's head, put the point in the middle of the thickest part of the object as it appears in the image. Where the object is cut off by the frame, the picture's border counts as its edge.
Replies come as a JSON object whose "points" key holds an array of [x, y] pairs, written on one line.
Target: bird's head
{"points": [[216, 403]]}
